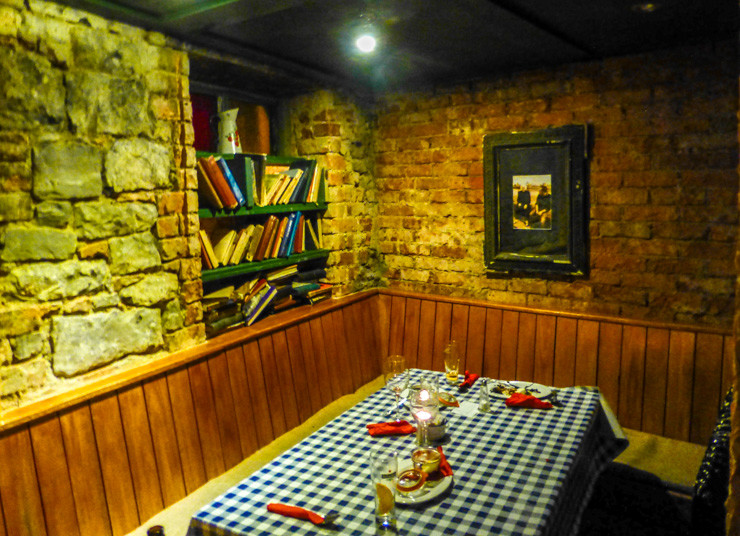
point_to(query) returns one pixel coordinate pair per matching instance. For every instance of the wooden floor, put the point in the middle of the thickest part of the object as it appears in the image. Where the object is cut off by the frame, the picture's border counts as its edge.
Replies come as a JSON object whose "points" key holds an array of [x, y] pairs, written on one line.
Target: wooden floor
{"points": [[103, 458]]}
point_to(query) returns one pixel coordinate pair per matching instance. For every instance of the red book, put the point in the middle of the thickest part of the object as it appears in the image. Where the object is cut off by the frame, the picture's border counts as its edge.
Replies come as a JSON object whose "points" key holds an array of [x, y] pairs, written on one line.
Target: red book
{"points": [[210, 167]]}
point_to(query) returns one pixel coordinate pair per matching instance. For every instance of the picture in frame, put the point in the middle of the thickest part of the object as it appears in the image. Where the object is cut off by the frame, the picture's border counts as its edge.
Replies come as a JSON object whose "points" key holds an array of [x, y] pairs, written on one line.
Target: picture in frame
{"points": [[535, 201]]}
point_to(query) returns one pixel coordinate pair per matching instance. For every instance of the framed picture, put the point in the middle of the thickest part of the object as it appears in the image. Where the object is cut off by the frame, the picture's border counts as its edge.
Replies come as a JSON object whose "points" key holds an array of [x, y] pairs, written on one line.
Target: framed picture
{"points": [[535, 201]]}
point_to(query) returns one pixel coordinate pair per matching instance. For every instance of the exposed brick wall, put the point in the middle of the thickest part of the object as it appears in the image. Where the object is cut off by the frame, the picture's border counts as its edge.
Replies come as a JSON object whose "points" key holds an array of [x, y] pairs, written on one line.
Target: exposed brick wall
{"points": [[663, 183], [338, 132]]}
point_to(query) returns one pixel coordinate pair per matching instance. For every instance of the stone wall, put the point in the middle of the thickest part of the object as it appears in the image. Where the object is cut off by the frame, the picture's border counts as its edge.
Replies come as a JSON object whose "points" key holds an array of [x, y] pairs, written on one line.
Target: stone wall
{"points": [[99, 258], [663, 183]]}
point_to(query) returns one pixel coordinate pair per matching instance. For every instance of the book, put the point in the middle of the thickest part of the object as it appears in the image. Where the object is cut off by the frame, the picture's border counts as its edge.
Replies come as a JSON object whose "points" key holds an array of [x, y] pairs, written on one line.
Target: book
{"points": [[282, 273], [205, 242], [206, 190], [301, 191], [287, 193], [214, 174], [286, 243], [313, 188], [272, 247], [224, 323], [223, 244], [207, 262], [229, 176], [220, 294], [312, 239], [311, 275], [262, 301], [299, 244], [271, 223], [254, 241], [271, 174], [241, 243]]}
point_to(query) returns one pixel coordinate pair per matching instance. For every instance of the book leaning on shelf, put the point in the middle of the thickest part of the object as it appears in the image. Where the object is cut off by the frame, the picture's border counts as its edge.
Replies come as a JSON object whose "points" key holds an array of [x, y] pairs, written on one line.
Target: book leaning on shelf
{"points": [[217, 173]]}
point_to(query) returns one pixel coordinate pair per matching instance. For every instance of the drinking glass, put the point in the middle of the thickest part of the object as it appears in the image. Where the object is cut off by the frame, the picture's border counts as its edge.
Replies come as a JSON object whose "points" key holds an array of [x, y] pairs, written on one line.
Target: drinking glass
{"points": [[396, 378], [383, 472], [452, 362], [424, 407]]}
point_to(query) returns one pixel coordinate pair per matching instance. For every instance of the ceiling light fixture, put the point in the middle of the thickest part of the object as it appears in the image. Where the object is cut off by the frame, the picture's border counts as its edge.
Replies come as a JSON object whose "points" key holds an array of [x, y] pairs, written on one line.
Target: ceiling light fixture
{"points": [[366, 43], [646, 7]]}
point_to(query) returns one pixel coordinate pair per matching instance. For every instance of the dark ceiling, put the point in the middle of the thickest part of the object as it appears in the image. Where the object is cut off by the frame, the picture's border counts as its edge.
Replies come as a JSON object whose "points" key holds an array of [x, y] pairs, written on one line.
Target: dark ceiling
{"points": [[282, 47]]}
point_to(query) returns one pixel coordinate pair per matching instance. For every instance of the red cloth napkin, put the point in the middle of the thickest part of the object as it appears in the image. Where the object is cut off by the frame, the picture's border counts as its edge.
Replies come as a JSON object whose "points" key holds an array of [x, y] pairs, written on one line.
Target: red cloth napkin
{"points": [[469, 380], [520, 400], [295, 511], [444, 465], [391, 428]]}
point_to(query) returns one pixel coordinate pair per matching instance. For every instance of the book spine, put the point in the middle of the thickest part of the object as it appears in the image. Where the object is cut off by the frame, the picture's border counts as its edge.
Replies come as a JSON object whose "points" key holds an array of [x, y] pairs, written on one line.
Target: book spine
{"points": [[219, 182], [206, 188], [285, 242], [231, 181], [291, 236]]}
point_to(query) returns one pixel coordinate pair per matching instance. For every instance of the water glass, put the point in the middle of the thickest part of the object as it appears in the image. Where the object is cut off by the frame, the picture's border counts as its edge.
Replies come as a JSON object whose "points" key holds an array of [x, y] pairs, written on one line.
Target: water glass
{"points": [[383, 473], [452, 362]]}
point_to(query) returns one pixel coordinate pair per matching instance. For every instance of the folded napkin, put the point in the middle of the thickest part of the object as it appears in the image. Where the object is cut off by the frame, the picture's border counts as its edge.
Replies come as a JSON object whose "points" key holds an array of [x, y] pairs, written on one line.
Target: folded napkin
{"points": [[469, 380], [444, 465], [520, 400], [295, 511], [391, 428]]}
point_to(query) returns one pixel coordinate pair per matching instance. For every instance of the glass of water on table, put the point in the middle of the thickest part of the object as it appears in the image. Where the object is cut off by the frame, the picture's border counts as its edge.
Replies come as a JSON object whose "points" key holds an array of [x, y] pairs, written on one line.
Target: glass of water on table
{"points": [[383, 473]]}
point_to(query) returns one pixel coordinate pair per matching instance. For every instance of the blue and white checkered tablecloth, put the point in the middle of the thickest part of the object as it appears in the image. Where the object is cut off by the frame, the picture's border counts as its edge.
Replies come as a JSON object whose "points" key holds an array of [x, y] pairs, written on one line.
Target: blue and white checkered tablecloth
{"points": [[516, 472]]}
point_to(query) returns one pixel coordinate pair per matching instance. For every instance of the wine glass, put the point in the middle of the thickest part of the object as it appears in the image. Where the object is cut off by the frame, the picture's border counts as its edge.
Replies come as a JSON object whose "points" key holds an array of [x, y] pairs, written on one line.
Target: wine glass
{"points": [[396, 377]]}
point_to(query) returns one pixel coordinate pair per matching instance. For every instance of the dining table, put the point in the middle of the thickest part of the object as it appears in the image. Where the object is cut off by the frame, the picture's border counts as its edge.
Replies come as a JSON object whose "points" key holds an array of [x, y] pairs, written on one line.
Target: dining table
{"points": [[515, 470]]}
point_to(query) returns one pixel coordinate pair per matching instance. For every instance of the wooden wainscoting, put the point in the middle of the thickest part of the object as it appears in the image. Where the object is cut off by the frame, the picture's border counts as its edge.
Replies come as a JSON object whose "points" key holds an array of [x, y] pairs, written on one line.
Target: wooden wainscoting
{"points": [[660, 378], [104, 458]]}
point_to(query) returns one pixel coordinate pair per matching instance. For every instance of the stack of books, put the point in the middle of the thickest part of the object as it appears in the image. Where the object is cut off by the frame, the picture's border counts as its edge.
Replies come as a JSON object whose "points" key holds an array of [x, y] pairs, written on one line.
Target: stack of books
{"points": [[280, 236], [272, 292], [218, 184], [297, 183]]}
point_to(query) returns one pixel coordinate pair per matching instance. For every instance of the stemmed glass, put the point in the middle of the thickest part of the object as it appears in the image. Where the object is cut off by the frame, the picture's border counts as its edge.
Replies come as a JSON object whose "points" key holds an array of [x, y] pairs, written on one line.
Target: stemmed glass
{"points": [[396, 378]]}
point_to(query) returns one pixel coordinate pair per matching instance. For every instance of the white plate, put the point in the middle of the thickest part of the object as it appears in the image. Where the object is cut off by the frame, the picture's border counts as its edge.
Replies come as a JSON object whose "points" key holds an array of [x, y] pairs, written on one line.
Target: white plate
{"points": [[431, 493], [535, 389]]}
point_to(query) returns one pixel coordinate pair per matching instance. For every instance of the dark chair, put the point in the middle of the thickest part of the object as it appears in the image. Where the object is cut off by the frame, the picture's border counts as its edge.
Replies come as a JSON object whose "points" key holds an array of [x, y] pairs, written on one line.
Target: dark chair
{"points": [[712, 481]]}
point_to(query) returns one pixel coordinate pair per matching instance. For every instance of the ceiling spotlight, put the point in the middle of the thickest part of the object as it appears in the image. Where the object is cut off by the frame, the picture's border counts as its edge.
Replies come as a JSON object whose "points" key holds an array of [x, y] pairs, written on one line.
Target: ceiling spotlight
{"points": [[646, 7], [366, 43]]}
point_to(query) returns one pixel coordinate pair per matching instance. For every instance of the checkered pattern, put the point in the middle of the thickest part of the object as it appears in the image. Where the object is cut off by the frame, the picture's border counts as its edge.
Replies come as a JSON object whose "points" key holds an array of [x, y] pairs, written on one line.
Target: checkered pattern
{"points": [[516, 471]]}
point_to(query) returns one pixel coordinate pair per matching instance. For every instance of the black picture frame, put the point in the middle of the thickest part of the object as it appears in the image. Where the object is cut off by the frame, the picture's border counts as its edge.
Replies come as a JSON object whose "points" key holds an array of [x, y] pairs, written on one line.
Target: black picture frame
{"points": [[535, 202]]}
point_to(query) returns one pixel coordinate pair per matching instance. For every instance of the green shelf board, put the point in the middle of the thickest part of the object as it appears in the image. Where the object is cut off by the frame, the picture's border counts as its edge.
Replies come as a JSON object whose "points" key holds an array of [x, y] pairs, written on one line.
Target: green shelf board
{"points": [[261, 266], [258, 211]]}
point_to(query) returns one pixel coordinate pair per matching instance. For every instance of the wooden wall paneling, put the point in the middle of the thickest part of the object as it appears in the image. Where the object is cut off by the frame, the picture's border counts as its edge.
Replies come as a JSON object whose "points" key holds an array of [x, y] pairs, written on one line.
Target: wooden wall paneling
{"points": [[360, 335], [205, 413], [186, 428], [459, 326], [140, 448], [396, 328], [332, 357], [261, 405], [587, 348], [427, 316], [304, 384], [329, 387], [609, 364], [442, 323], [273, 387], [564, 359], [53, 478], [544, 349], [345, 360], [2, 518], [632, 376], [238, 381], [526, 338], [411, 332], [472, 360], [679, 389], [368, 314], [707, 386], [656, 370], [164, 436], [114, 463], [383, 307], [728, 364], [285, 377], [19, 486], [85, 474], [223, 399], [493, 340], [314, 368], [509, 345]]}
